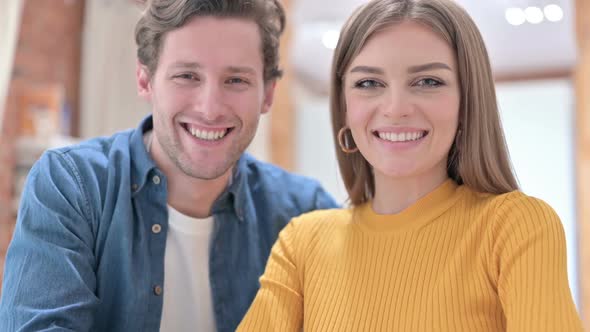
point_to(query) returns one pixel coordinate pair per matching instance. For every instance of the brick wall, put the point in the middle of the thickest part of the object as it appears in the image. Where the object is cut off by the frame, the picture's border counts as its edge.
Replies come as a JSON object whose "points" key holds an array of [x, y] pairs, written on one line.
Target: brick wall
{"points": [[6, 177], [48, 52]]}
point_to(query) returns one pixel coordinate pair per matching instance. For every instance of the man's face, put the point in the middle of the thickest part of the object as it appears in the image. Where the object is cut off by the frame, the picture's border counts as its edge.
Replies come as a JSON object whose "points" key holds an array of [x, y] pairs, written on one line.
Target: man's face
{"points": [[207, 93]]}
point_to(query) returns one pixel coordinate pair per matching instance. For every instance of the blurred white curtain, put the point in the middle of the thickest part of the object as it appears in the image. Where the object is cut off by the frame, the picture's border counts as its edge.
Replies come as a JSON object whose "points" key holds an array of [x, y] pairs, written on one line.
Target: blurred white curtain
{"points": [[109, 100], [10, 14]]}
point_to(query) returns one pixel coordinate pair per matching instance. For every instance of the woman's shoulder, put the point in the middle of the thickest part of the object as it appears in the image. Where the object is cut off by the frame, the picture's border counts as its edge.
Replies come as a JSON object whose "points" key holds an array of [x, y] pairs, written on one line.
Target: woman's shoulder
{"points": [[337, 215], [516, 209], [320, 221]]}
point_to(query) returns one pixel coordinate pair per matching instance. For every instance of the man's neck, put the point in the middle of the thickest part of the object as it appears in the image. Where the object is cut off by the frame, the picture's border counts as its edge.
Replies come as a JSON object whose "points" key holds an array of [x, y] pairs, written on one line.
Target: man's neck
{"points": [[189, 195], [195, 197]]}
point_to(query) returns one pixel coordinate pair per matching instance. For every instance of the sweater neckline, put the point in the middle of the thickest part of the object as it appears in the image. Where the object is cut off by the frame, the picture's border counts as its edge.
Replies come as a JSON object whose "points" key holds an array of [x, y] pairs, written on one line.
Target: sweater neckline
{"points": [[413, 217]]}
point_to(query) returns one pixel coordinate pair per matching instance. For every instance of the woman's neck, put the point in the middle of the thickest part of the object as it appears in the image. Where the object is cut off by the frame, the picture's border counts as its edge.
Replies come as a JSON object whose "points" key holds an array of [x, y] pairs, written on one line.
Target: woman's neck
{"points": [[395, 194]]}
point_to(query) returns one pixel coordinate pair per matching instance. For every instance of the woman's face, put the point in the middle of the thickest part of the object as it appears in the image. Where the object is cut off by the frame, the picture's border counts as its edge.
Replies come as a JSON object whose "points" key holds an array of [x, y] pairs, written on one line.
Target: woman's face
{"points": [[402, 98]]}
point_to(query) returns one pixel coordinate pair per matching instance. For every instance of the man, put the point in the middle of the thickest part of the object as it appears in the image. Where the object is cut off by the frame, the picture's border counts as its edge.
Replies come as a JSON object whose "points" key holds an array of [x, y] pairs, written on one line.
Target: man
{"points": [[166, 227]]}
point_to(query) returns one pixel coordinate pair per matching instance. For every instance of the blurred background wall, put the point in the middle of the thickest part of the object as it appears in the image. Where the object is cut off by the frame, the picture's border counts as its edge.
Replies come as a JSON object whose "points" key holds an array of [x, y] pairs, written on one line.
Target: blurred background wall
{"points": [[10, 14], [76, 58]]}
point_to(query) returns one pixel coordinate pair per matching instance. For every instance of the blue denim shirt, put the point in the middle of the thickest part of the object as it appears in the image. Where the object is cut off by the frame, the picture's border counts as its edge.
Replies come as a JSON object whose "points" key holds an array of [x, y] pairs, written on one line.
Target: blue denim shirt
{"points": [[88, 248]]}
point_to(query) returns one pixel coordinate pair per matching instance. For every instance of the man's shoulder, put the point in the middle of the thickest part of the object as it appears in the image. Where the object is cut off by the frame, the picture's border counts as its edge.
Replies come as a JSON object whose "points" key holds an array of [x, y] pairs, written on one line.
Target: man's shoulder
{"points": [[271, 173], [97, 147], [264, 175], [269, 179], [89, 160]]}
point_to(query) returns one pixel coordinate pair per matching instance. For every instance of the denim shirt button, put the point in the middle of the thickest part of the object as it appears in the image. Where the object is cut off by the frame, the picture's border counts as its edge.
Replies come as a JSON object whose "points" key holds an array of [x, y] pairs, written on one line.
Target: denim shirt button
{"points": [[134, 187], [156, 228], [156, 179], [158, 290]]}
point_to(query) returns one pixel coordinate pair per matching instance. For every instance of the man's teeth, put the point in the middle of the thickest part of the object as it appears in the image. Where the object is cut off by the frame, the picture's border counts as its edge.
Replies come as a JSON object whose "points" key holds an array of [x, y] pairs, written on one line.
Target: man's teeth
{"points": [[208, 135], [402, 137]]}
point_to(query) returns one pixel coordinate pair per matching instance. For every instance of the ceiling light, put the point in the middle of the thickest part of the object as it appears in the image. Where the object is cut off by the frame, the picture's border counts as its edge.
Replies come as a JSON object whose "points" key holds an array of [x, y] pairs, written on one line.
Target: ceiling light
{"points": [[330, 39], [515, 16], [553, 13], [534, 15]]}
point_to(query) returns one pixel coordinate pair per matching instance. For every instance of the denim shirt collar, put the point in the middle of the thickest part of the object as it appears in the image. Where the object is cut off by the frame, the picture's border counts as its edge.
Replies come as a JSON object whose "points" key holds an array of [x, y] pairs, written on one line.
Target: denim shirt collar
{"points": [[234, 196]]}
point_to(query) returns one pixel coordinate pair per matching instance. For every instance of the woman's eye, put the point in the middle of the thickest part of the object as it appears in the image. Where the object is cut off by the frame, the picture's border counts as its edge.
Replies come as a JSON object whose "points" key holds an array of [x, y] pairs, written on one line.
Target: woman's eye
{"points": [[367, 84], [429, 82]]}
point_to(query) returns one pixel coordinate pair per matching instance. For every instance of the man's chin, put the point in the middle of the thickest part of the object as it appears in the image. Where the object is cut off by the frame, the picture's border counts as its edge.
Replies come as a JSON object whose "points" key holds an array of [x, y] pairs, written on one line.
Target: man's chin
{"points": [[213, 172]]}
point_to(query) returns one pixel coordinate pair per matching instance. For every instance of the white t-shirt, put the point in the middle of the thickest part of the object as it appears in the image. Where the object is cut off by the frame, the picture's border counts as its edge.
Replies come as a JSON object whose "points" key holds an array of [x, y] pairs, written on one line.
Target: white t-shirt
{"points": [[188, 305]]}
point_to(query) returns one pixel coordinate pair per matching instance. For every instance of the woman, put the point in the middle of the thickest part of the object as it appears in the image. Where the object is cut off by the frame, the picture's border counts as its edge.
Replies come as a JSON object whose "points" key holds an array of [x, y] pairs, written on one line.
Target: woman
{"points": [[438, 237]]}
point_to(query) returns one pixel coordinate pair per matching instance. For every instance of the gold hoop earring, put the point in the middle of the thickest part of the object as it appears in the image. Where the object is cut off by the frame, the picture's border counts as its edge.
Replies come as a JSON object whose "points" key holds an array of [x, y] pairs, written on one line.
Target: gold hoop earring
{"points": [[344, 141]]}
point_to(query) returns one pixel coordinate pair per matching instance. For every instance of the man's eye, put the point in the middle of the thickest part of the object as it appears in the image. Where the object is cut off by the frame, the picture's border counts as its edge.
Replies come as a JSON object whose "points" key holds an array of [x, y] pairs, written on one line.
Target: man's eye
{"points": [[236, 80], [186, 76]]}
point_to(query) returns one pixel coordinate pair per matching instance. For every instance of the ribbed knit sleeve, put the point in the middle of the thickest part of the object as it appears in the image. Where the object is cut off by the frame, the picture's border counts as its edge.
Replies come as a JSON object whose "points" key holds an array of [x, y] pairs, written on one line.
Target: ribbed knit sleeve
{"points": [[278, 306], [530, 253]]}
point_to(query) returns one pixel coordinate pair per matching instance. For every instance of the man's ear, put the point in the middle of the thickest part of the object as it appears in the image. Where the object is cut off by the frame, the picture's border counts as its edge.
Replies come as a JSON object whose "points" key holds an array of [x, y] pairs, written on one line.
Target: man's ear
{"points": [[269, 95], [144, 86]]}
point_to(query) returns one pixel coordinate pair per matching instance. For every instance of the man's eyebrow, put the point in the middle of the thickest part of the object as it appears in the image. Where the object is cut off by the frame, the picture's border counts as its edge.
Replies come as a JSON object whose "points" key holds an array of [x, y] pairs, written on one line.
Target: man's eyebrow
{"points": [[186, 64], [238, 69]]}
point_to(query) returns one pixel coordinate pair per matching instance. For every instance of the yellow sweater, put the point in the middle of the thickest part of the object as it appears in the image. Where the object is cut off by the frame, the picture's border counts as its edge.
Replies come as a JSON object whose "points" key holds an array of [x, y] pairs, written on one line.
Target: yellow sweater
{"points": [[456, 260]]}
